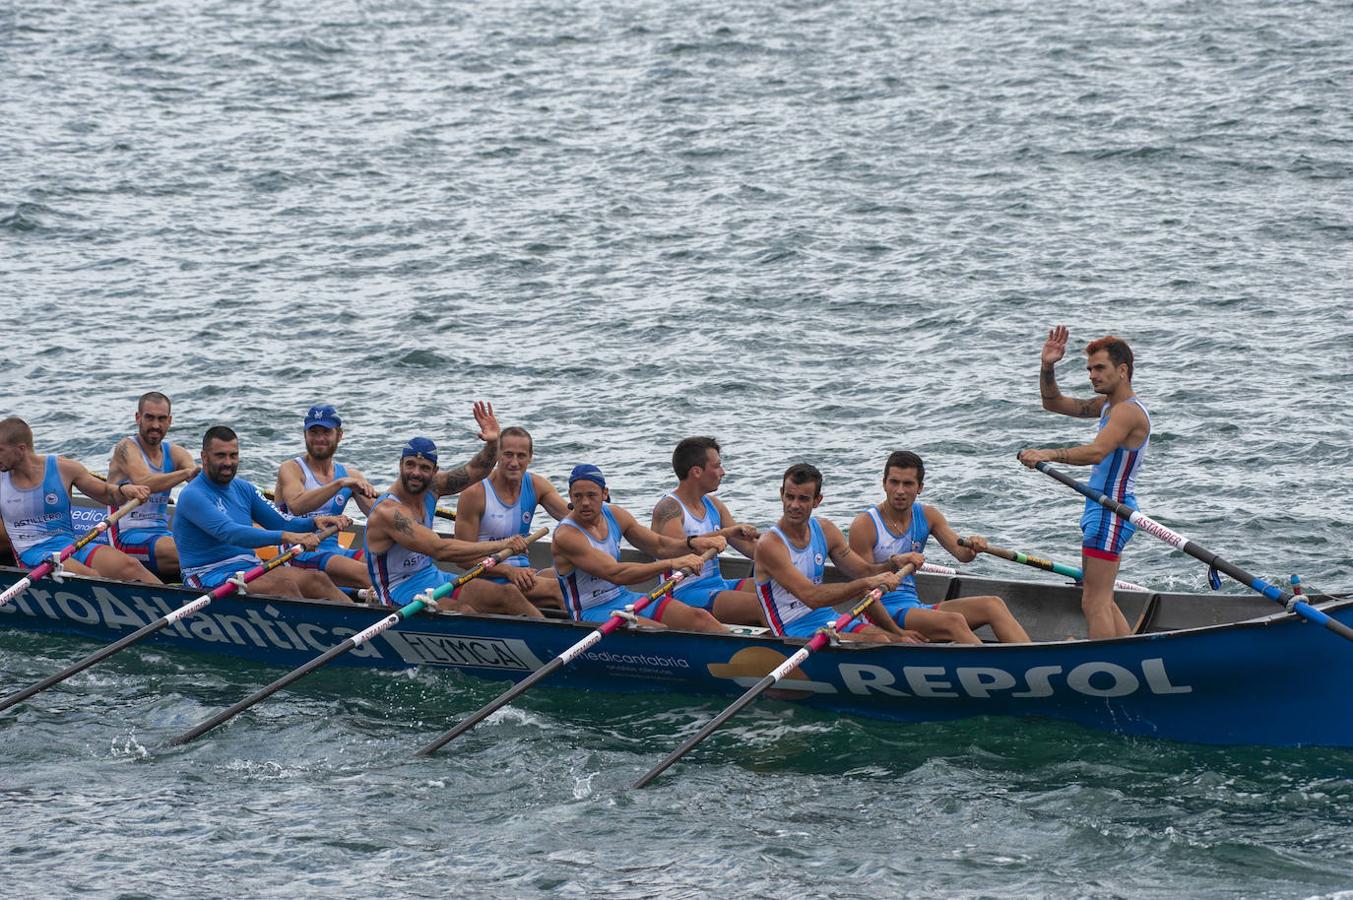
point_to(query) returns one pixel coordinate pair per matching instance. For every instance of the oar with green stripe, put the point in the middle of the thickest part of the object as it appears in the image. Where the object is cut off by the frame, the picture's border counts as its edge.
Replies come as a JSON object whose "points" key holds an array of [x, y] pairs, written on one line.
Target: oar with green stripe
{"points": [[412, 608], [1048, 565]]}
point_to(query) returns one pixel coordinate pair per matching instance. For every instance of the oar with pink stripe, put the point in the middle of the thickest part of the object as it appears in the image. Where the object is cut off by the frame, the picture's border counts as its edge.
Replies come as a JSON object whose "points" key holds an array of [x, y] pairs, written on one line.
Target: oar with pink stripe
{"points": [[1048, 565], [45, 568], [145, 631], [563, 659], [1144, 523], [817, 642], [427, 599]]}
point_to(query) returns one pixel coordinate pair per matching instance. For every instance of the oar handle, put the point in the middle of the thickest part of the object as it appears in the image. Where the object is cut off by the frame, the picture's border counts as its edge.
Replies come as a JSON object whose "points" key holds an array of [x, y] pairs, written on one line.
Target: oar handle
{"points": [[444, 513]]}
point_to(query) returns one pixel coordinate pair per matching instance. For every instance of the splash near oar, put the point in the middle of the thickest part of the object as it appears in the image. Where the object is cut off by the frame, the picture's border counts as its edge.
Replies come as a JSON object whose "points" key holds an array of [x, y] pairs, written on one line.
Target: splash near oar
{"points": [[817, 642], [42, 570], [1290, 602], [1048, 565], [409, 609], [563, 659], [145, 631]]}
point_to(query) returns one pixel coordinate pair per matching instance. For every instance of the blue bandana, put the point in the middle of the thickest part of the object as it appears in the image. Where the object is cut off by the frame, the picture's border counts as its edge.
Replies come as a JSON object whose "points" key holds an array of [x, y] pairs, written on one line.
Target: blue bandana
{"points": [[587, 472], [420, 447]]}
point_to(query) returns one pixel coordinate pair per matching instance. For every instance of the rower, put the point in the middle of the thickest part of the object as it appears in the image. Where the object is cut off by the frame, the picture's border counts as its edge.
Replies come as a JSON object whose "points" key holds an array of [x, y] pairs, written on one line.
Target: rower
{"points": [[314, 484], [791, 561], [503, 504], [35, 495], [692, 509], [587, 559], [147, 458], [215, 533], [402, 550], [899, 528], [1116, 454]]}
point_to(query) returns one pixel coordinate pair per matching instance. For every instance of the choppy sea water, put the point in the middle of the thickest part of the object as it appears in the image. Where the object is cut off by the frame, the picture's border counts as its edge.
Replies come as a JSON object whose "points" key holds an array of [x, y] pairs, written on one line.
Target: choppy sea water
{"points": [[817, 231]]}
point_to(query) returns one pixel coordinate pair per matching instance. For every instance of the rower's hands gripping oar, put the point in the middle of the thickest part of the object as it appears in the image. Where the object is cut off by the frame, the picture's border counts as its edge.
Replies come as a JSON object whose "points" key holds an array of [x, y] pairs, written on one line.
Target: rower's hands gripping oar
{"points": [[561, 660], [1046, 565], [425, 600], [439, 512], [1145, 523], [45, 568], [817, 642], [145, 631]]}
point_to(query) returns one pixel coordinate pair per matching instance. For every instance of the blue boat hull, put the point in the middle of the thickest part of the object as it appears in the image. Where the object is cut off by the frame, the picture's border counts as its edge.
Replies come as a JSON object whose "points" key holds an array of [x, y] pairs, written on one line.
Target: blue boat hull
{"points": [[1266, 681]]}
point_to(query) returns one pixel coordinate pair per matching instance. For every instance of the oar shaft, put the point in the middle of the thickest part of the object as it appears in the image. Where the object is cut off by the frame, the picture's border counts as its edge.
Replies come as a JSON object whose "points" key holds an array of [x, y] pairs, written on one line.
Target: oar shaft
{"points": [[150, 628], [46, 567], [1048, 565], [1212, 560], [553, 665], [817, 642], [366, 634]]}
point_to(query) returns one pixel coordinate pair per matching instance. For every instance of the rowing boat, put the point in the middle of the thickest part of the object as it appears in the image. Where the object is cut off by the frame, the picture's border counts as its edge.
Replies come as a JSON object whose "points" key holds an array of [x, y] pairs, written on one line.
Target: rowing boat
{"points": [[1208, 668]]}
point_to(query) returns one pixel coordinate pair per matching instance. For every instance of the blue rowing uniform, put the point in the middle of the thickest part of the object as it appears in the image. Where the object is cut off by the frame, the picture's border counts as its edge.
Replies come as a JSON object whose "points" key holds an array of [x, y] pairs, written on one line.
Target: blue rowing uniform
{"points": [[591, 599], [334, 506], [504, 520], [37, 519], [786, 614], [701, 591], [138, 531], [214, 529], [399, 574], [1104, 533], [888, 543]]}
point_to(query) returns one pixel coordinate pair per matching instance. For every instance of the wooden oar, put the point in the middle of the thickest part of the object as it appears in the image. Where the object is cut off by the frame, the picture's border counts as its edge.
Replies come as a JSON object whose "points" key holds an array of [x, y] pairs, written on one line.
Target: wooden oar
{"points": [[409, 609], [558, 662], [1048, 565], [1144, 523], [817, 642], [439, 512], [48, 566], [147, 630]]}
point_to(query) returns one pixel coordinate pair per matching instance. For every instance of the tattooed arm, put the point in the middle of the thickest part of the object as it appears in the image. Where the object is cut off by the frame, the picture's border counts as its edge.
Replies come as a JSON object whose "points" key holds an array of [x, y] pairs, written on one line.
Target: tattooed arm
{"points": [[1053, 398], [453, 481], [390, 524]]}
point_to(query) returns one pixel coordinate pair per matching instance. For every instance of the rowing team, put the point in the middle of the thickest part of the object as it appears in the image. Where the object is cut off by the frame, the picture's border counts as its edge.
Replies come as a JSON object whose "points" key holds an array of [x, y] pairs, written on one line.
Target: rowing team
{"points": [[221, 522]]}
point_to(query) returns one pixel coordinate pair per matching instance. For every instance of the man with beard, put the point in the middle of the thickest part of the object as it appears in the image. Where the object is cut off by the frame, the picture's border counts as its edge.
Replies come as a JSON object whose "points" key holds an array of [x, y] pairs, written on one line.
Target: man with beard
{"points": [[899, 528], [791, 561], [146, 458], [402, 550], [35, 494], [215, 533], [1116, 454], [503, 504], [699, 471], [587, 559], [314, 484]]}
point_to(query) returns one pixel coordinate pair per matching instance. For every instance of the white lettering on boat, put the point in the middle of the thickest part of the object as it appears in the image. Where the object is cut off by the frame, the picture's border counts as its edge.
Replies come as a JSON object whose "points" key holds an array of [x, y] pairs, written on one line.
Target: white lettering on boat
{"points": [[418, 647], [1092, 679]]}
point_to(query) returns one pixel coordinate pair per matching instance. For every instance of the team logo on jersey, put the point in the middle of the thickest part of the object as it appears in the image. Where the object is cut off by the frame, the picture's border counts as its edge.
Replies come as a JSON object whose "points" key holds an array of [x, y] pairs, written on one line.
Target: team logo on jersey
{"points": [[50, 499], [526, 518], [817, 559]]}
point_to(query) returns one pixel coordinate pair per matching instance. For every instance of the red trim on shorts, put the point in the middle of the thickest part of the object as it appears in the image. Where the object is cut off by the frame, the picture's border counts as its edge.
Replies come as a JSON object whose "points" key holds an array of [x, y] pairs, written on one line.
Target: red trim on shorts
{"points": [[360, 555], [742, 583], [855, 626], [89, 560], [659, 607], [1096, 553], [456, 593]]}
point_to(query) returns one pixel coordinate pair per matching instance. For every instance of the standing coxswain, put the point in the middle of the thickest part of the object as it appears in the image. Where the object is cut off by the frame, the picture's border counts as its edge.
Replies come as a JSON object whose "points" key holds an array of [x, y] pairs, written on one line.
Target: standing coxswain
{"points": [[1116, 454]]}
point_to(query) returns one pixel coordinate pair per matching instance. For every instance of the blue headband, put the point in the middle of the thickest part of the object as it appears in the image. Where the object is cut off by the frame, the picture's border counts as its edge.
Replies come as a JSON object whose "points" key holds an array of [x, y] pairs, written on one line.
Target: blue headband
{"points": [[587, 472], [420, 447]]}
